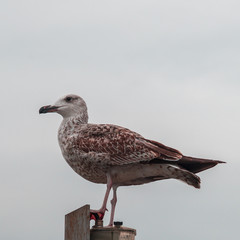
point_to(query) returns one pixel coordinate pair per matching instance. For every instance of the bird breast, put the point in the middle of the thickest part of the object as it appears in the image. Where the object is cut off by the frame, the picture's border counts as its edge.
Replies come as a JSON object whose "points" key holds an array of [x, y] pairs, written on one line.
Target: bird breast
{"points": [[86, 164]]}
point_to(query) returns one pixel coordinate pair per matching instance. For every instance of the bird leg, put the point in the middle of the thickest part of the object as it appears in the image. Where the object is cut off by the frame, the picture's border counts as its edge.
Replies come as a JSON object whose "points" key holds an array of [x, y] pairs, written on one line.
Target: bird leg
{"points": [[113, 202], [99, 214]]}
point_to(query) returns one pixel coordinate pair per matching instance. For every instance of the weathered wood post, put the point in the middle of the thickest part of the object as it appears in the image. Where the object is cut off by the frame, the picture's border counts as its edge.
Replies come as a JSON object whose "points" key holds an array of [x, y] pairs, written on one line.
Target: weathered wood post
{"points": [[77, 224], [77, 227]]}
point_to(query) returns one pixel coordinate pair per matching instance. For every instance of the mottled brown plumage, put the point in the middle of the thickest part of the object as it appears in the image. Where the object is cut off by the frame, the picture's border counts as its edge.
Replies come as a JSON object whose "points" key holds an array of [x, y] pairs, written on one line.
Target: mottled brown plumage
{"points": [[117, 156]]}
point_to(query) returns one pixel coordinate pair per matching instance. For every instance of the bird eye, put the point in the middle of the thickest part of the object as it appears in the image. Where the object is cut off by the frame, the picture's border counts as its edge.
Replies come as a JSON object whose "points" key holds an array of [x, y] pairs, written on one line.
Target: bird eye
{"points": [[68, 99]]}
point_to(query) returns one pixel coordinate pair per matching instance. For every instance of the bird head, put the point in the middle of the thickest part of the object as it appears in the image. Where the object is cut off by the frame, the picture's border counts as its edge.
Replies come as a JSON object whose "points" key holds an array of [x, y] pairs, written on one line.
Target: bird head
{"points": [[68, 106]]}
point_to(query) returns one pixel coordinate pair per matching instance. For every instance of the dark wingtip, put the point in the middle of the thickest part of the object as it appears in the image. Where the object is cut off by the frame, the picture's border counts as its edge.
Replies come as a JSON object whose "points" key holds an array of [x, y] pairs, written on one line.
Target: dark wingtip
{"points": [[221, 161]]}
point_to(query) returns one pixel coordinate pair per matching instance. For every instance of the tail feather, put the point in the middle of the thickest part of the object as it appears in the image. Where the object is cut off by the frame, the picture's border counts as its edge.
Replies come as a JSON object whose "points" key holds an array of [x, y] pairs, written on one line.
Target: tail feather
{"points": [[196, 165], [184, 175]]}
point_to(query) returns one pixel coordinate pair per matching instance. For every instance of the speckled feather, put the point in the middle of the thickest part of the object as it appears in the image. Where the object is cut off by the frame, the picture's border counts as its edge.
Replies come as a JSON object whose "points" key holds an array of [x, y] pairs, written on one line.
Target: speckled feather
{"points": [[121, 145], [93, 150], [97, 150]]}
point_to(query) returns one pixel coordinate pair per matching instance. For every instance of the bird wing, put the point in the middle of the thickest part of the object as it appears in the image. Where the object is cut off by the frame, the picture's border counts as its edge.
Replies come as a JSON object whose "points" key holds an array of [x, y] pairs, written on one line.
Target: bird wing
{"points": [[120, 145]]}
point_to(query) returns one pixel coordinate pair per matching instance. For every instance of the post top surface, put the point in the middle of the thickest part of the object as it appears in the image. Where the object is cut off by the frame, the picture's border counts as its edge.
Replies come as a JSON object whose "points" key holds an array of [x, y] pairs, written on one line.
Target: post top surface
{"points": [[114, 229]]}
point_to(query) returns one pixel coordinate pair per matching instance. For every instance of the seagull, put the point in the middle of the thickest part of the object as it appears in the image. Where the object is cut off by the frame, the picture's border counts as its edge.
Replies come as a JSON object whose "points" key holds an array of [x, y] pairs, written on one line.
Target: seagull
{"points": [[116, 156]]}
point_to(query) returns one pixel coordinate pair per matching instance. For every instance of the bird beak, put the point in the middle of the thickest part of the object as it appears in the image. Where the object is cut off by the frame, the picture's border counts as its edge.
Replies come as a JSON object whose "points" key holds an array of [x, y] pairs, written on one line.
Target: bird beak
{"points": [[48, 108]]}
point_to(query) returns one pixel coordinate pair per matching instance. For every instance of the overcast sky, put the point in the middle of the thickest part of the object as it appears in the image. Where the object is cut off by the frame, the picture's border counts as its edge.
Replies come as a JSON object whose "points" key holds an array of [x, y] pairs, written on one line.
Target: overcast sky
{"points": [[166, 69]]}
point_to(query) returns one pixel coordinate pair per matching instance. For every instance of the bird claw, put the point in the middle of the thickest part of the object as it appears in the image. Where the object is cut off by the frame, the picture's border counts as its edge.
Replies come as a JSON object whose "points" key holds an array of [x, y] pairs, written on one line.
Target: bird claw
{"points": [[96, 215]]}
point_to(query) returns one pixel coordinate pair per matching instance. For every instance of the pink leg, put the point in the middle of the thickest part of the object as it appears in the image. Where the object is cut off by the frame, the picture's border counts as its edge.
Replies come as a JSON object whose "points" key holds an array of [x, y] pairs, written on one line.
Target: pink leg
{"points": [[113, 202], [99, 214]]}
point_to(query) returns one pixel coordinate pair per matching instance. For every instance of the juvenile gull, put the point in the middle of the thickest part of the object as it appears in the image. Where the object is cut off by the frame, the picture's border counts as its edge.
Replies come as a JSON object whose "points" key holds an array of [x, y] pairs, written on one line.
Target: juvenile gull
{"points": [[117, 156]]}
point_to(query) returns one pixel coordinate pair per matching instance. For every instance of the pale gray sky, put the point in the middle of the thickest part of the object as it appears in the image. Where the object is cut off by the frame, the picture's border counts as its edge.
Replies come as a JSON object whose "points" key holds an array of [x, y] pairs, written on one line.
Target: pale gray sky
{"points": [[166, 69]]}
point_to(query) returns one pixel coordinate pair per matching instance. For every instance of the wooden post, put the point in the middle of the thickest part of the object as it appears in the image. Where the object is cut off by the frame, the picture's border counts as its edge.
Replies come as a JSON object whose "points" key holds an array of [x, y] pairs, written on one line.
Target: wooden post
{"points": [[77, 227], [77, 224]]}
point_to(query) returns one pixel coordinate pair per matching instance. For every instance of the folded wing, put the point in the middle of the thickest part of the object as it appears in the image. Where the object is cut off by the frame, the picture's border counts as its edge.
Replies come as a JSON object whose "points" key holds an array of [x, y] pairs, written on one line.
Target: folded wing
{"points": [[122, 145]]}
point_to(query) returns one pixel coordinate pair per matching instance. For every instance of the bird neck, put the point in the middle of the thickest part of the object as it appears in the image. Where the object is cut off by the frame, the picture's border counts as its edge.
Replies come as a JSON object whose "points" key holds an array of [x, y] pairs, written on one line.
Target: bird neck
{"points": [[78, 119]]}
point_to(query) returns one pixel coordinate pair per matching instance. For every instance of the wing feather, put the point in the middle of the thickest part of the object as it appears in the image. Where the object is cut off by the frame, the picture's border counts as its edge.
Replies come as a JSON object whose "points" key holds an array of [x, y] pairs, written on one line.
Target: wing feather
{"points": [[122, 145]]}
